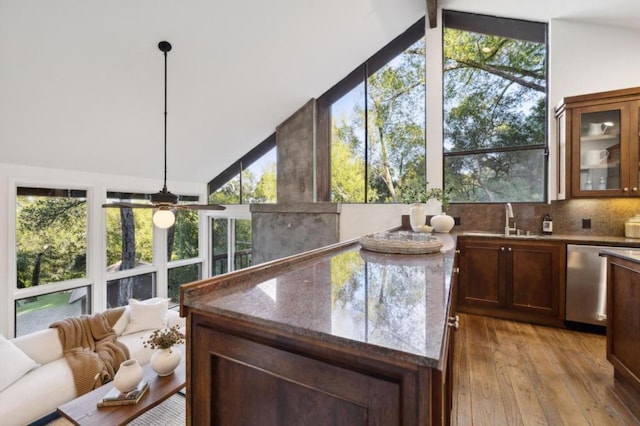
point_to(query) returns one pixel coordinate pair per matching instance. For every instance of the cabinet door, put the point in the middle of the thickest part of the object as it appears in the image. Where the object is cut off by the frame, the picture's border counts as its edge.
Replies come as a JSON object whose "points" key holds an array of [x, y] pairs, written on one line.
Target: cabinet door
{"points": [[534, 274], [481, 281], [634, 149], [600, 150]]}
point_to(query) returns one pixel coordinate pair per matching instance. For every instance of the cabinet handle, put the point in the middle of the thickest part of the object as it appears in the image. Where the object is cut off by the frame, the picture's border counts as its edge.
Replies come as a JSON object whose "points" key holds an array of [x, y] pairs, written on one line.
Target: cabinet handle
{"points": [[454, 322], [456, 270], [625, 189], [457, 251], [502, 248], [634, 189], [509, 248]]}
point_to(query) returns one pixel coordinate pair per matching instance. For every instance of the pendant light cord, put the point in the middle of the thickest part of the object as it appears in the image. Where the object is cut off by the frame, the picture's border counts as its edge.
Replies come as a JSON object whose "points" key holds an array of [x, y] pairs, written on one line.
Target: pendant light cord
{"points": [[165, 47], [164, 187]]}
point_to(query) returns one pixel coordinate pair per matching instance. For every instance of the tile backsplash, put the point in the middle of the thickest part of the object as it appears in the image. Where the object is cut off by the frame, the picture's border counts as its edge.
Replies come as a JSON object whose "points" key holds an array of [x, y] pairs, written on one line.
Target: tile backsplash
{"points": [[607, 216]]}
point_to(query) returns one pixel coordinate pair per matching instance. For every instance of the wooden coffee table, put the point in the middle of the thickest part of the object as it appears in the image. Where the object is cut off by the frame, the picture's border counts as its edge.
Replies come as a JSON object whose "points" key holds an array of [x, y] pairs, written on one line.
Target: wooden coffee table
{"points": [[84, 409]]}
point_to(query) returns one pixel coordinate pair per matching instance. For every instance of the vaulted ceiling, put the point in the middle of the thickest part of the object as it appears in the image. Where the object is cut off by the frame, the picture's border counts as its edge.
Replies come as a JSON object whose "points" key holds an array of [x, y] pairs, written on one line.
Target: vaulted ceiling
{"points": [[81, 81]]}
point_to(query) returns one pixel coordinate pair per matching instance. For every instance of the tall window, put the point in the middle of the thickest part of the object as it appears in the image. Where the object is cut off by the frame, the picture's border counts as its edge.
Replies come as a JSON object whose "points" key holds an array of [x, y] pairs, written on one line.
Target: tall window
{"points": [[377, 123], [185, 264], [51, 248], [228, 257], [495, 108], [252, 179], [129, 251]]}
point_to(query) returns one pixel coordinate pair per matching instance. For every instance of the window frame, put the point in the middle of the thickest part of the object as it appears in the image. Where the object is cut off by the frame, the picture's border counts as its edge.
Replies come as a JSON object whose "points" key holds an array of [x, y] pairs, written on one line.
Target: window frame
{"points": [[508, 28]]}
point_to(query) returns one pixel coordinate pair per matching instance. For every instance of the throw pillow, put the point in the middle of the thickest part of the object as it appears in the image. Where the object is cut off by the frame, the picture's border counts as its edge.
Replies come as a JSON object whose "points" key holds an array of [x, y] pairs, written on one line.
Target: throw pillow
{"points": [[146, 315], [15, 363]]}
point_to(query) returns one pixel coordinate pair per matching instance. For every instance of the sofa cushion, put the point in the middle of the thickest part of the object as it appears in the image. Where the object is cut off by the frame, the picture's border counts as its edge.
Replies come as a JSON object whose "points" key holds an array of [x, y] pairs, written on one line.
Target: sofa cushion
{"points": [[37, 393], [43, 346], [15, 363], [150, 314]]}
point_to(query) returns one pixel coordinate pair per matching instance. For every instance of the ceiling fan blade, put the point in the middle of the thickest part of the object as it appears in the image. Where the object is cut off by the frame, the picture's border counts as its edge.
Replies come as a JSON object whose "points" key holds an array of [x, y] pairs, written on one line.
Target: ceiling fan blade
{"points": [[200, 207], [121, 205]]}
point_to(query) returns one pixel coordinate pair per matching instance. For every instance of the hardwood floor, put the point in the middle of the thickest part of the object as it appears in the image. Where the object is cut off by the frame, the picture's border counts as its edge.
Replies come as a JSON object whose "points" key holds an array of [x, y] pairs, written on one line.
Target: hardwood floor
{"points": [[510, 373]]}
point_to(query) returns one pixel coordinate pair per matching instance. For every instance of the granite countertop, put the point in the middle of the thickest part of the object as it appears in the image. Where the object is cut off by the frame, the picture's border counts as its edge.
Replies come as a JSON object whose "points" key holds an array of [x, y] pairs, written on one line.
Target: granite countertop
{"points": [[567, 238], [394, 306], [631, 255]]}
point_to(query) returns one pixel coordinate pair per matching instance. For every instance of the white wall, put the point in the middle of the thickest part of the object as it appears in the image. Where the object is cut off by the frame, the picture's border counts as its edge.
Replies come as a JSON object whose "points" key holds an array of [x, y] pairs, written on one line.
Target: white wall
{"points": [[12, 176], [586, 59], [357, 220]]}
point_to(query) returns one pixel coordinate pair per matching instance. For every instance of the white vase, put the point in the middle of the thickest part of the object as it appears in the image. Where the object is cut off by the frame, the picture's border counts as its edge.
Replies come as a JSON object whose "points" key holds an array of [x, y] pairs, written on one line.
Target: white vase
{"points": [[417, 216], [442, 223], [128, 376], [165, 361]]}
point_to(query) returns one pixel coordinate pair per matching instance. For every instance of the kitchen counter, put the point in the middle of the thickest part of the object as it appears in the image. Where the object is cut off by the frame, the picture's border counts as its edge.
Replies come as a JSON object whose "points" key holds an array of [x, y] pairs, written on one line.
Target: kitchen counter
{"points": [[338, 333], [387, 305], [630, 255], [568, 238]]}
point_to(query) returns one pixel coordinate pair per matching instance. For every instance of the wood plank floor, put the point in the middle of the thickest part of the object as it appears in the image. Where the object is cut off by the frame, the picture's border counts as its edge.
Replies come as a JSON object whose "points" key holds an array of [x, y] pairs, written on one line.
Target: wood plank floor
{"points": [[510, 373]]}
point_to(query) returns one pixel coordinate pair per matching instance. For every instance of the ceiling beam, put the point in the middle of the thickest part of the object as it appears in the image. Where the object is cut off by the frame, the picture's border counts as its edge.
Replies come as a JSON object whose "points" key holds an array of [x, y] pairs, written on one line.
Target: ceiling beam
{"points": [[432, 13]]}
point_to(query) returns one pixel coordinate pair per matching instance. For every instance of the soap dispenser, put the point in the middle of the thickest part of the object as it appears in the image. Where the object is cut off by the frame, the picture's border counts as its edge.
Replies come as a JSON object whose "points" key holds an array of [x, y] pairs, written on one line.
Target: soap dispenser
{"points": [[547, 225]]}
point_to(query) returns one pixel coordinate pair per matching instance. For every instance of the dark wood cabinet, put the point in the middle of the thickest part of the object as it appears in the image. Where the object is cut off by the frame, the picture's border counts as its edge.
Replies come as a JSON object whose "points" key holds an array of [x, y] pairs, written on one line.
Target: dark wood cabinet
{"points": [[623, 328], [513, 279], [247, 375], [599, 145]]}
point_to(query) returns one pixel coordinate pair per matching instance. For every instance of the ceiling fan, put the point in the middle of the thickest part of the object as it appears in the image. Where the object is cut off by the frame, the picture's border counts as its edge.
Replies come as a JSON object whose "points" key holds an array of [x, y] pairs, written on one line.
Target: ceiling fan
{"points": [[164, 201]]}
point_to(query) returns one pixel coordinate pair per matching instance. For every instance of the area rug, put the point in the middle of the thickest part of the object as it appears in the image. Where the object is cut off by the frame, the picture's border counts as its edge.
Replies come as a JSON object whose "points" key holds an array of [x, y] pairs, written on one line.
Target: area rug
{"points": [[170, 413]]}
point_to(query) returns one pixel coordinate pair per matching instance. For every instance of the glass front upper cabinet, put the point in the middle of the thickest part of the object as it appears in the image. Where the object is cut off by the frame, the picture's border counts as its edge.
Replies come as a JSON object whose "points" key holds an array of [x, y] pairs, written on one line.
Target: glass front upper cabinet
{"points": [[599, 144], [599, 147]]}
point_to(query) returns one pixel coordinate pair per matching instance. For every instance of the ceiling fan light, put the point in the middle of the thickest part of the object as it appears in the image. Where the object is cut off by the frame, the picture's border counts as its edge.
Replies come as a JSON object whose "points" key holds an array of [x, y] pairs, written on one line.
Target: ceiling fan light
{"points": [[164, 218]]}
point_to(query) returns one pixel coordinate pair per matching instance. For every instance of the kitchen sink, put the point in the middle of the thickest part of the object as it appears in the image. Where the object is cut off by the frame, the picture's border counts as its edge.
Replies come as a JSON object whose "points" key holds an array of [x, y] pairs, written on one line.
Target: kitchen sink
{"points": [[499, 234], [483, 234]]}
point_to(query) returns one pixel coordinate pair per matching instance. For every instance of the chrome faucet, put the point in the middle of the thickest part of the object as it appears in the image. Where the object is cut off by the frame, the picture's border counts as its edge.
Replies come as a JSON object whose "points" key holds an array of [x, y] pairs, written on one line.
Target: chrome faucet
{"points": [[508, 214]]}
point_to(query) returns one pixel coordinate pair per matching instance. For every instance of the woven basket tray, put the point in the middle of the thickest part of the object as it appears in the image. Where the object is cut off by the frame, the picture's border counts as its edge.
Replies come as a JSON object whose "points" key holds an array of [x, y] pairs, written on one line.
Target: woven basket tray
{"points": [[401, 243]]}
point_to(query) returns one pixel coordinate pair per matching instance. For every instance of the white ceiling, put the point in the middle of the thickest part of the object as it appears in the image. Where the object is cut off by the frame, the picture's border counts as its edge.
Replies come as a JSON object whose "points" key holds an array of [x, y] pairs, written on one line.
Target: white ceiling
{"points": [[81, 81]]}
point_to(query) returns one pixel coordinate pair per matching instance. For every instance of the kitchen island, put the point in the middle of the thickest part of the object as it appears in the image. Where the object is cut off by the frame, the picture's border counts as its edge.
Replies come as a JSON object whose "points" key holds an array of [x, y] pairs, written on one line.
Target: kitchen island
{"points": [[338, 335]]}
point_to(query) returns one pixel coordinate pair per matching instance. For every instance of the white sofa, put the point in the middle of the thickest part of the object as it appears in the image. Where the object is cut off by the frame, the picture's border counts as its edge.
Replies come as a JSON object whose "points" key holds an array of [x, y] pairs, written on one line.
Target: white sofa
{"points": [[40, 391]]}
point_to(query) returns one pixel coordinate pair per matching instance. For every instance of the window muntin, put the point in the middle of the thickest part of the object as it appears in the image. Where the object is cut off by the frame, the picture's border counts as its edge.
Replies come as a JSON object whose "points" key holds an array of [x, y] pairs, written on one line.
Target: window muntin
{"points": [[495, 105], [51, 235]]}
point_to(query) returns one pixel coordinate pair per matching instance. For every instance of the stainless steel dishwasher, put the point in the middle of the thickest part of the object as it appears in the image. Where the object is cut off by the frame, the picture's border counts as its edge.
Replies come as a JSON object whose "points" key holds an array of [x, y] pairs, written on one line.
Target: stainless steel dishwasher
{"points": [[586, 296]]}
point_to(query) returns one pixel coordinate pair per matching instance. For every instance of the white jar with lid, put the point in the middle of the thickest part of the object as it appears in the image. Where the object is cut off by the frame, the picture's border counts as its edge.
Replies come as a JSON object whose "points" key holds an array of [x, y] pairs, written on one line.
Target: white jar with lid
{"points": [[632, 227]]}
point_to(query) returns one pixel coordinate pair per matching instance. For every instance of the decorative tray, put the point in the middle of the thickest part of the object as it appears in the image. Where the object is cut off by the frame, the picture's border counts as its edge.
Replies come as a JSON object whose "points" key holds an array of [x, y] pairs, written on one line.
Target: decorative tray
{"points": [[401, 243]]}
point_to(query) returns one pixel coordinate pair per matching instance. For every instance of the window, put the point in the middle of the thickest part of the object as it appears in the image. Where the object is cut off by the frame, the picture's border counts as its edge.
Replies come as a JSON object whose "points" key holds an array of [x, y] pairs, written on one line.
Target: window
{"points": [[51, 235], [238, 254], [51, 251], [37, 312], [185, 265], [374, 120], [495, 109], [252, 179], [129, 251]]}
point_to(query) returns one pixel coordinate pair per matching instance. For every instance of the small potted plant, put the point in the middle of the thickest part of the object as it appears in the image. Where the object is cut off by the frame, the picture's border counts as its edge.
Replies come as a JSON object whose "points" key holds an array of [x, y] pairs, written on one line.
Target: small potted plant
{"points": [[165, 360]]}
